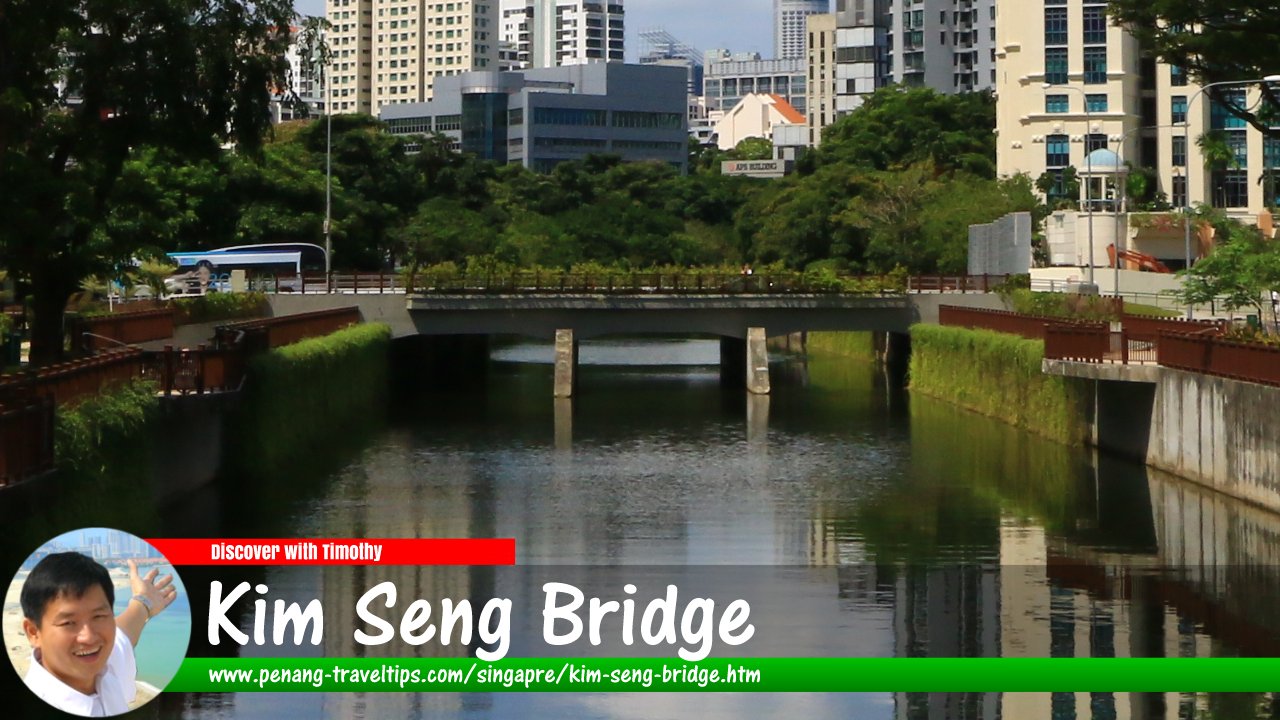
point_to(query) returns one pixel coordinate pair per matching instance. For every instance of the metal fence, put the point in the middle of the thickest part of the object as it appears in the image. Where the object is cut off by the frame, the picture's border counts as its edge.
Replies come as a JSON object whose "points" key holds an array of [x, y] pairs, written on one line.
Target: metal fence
{"points": [[26, 438], [1031, 327], [267, 333], [1205, 353], [106, 331], [955, 283]]}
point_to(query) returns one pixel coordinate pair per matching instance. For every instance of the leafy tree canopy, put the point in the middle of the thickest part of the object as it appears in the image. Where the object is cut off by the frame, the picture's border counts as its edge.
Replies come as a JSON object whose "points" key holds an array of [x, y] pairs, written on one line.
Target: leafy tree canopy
{"points": [[898, 126], [1213, 41], [83, 85]]}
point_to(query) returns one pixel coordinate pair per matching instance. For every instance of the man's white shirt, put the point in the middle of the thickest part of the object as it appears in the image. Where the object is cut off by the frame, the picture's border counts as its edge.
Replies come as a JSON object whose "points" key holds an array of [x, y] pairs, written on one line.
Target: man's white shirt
{"points": [[116, 686]]}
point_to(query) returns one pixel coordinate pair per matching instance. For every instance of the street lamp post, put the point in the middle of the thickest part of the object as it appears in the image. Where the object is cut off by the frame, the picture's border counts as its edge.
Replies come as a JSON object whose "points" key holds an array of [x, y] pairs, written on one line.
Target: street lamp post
{"points": [[1186, 141], [328, 192], [1088, 159]]}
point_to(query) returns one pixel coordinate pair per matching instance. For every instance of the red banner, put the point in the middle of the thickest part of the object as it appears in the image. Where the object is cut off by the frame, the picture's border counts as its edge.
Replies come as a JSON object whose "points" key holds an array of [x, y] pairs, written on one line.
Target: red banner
{"points": [[331, 551]]}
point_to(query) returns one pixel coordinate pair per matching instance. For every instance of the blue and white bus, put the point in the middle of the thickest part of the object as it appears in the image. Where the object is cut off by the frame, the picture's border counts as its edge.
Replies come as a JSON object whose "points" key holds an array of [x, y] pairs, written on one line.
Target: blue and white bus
{"points": [[284, 263]]}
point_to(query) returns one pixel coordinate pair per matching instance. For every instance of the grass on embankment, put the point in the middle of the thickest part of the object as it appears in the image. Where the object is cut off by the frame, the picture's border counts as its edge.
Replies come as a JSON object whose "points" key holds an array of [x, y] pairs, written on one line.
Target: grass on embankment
{"points": [[857, 345], [298, 398], [997, 375]]}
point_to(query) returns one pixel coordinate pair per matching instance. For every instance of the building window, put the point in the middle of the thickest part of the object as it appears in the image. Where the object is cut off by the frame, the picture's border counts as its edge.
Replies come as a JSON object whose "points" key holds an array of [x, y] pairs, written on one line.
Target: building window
{"points": [[568, 116], [1177, 76], [1271, 171], [1095, 25], [1231, 188], [1055, 66], [1096, 103], [1057, 151], [1179, 198], [1095, 66], [1179, 104], [1055, 26], [1222, 119], [1095, 141], [1056, 104], [1179, 151]]}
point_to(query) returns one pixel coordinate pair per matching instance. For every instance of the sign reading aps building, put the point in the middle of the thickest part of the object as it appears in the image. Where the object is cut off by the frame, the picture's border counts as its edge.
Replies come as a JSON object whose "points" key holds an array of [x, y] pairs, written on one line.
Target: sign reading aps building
{"points": [[755, 168]]}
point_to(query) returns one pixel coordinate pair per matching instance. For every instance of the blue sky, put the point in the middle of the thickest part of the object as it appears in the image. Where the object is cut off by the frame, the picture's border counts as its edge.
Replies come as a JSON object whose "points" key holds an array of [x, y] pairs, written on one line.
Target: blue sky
{"points": [[740, 25]]}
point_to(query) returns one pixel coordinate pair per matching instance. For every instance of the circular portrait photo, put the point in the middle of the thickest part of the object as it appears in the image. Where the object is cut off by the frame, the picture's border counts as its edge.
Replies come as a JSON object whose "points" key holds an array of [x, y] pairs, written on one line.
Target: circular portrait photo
{"points": [[96, 622]]}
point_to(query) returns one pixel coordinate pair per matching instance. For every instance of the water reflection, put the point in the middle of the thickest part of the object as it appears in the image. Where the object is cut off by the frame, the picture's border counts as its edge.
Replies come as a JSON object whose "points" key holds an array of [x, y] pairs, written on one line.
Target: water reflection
{"points": [[858, 521]]}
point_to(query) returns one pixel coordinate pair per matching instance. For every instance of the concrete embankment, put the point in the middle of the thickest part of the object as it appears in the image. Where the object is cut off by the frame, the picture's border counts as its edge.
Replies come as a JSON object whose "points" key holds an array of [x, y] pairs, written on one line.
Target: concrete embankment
{"points": [[1220, 433]]}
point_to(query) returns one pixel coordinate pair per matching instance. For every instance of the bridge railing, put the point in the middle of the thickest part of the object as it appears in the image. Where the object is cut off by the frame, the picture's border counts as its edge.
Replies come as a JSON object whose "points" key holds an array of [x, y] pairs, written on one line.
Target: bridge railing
{"points": [[107, 331], [955, 283], [71, 381], [185, 371], [1211, 355], [26, 438], [1031, 327], [689, 283], [273, 332]]}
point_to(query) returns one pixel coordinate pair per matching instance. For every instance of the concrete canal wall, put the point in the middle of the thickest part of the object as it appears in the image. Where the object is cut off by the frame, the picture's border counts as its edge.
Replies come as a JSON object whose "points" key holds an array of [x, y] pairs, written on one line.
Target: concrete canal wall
{"points": [[1221, 433]]}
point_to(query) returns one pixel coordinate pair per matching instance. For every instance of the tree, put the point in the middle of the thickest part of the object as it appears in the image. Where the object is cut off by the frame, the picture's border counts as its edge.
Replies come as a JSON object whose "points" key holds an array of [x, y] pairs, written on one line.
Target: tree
{"points": [[84, 84], [752, 148], [896, 127], [314, 55], [1242, 270], [1216, 41]]}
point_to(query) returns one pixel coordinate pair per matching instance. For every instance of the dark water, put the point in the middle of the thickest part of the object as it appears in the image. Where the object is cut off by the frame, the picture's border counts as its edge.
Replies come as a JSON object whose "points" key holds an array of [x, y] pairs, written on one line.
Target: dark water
{"points": [[860, 521]]}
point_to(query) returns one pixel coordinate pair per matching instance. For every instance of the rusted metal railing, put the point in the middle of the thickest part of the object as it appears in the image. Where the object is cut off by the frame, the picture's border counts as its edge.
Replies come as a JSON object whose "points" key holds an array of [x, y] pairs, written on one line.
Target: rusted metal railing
{"points": [[1080, 342], [1205, 353], [267, 333], [26, 438], [1031, 327], [107, 331]]}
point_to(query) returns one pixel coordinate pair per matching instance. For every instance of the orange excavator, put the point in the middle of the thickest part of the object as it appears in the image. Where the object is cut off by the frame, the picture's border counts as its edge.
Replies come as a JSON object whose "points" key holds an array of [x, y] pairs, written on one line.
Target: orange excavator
{"points": [[1144, 262]]}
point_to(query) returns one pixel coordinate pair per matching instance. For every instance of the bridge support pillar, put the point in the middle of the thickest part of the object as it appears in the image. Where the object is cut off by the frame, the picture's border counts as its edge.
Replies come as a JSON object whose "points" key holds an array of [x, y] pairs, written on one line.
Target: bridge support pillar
{"points": [[745, 362], [757, 361], [566, 377]]}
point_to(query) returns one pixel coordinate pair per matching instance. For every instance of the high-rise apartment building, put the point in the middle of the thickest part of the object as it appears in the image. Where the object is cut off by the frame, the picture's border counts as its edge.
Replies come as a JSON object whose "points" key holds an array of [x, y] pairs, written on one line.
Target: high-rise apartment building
{"points": [[1070, 82], [553, 33], [789, 25], [387, 52], [946, 45]]}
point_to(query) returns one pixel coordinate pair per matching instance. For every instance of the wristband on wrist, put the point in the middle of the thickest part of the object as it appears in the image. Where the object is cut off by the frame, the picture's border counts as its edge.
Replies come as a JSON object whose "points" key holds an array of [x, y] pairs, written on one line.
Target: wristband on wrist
{"points": [[146, 604]]}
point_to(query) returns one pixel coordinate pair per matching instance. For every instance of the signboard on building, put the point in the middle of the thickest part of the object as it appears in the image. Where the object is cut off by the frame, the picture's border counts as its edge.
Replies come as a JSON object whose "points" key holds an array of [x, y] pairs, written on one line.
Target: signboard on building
{"points": [[755, 168]]}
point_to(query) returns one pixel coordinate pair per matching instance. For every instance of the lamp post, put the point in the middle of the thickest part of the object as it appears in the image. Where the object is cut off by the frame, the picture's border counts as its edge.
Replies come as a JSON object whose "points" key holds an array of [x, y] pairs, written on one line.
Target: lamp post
{"points": [[1186, 141], [328, 192], [1088, 159]]}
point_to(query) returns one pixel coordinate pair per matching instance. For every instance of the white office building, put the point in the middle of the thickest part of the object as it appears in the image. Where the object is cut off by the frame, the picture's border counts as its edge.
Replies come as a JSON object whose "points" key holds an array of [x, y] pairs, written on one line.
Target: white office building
{"points": [[554, 33]]}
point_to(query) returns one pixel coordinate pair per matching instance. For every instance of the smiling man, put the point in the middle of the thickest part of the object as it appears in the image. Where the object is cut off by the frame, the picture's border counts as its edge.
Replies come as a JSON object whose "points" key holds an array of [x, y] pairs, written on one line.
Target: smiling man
{"points": [[80, 664]]}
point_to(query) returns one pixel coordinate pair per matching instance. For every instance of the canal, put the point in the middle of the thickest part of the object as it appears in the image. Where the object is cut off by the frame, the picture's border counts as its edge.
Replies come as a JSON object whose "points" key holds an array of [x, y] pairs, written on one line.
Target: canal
{"points": [[861, 520]]}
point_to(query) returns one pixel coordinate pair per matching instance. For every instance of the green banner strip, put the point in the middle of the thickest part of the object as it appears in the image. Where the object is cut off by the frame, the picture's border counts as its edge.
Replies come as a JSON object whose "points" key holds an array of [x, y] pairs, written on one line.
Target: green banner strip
{"points": [[729, 675]]}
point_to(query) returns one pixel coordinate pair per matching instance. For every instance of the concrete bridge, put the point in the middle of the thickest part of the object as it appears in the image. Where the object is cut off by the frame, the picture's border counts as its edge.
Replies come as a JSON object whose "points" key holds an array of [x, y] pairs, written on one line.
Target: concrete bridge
{"points": [[742, 321]]}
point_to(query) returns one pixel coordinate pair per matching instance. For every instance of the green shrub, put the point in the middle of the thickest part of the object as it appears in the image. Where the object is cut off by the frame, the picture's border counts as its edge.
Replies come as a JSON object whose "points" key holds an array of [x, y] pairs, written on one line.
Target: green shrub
{"points": [[220, 306], [299, 396], [1094, 308], [83, 431], [997, 375]]}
